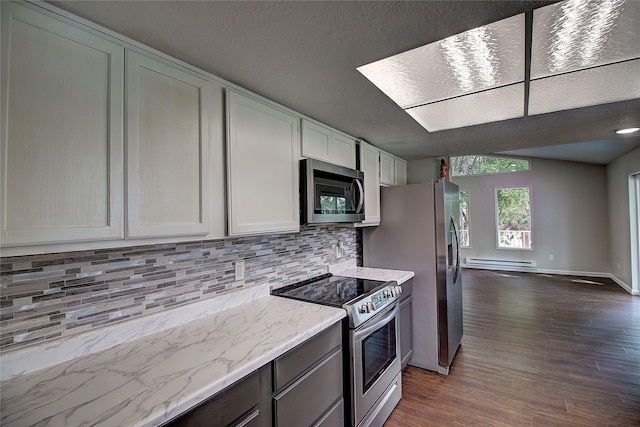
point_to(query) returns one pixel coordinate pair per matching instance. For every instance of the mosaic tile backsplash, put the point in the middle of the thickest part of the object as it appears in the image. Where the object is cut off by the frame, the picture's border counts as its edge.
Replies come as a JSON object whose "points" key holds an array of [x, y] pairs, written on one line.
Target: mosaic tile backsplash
{"points": [[49, 296]]}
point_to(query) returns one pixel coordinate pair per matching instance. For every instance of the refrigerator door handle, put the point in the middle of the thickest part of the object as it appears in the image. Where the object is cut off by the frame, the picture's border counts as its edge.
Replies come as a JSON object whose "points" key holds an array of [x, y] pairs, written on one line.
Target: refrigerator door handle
{"points": [[456, 271]]}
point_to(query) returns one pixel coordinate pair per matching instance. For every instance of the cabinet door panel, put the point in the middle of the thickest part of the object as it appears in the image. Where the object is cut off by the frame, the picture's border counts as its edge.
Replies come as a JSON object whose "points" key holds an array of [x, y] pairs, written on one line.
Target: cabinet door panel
{"points": [[400, 171], [167, 148], [370, 165], [335, 416], [311, 396], [262, 167], [387, 169], [316, 141], [238, 400], [343, 151], [62, 147], [406, 331], [293, 363]]}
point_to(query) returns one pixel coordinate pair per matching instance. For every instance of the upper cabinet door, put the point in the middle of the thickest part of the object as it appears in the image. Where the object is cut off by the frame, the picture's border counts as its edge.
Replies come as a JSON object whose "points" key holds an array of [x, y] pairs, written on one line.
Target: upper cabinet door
{"points": [[167, 148], [316, 141], [387, 169], [263, 149], [320, 142], [370, 165], [61, 144], [400, 167], [343, 151]]}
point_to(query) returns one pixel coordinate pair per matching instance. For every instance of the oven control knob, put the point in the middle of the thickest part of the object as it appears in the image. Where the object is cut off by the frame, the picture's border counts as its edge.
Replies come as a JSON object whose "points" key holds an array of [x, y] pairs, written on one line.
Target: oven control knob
{"points": [[371, 306], [363, 309]]}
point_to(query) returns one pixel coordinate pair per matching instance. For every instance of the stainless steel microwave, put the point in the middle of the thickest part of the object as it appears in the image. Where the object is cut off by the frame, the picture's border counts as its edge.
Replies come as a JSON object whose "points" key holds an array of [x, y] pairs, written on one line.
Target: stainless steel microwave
{"points": [[330, 193]]}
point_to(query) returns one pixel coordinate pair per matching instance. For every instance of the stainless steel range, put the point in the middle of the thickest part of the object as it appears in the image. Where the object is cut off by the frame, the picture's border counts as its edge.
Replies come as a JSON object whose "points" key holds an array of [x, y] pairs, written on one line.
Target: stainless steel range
{"points": [[371, 334]]}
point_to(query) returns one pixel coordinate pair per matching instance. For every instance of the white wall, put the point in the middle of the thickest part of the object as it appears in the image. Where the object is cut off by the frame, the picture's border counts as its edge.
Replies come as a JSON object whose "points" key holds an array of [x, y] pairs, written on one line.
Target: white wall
{"points": [[569, 215], [618, 173], [423, 170]]}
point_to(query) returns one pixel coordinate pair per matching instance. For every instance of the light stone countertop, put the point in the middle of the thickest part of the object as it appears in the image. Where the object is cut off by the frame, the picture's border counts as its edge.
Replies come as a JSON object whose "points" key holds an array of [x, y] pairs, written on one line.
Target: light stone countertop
{"points": [[154, 378], [146, 372], [376, 274]]}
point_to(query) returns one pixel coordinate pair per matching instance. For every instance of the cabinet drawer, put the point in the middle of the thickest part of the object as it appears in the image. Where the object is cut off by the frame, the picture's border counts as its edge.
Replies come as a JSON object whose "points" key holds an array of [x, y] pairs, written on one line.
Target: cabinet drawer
{"points": [[252, 419], [335, 416], [309, 397], [293, 363], [225, 407]]}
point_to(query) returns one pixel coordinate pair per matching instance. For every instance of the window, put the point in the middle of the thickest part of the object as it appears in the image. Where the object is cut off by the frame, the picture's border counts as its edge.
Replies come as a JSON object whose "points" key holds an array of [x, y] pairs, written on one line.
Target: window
{"points": [[513, 210], [333, 204], [483, 165], [464, 219]]}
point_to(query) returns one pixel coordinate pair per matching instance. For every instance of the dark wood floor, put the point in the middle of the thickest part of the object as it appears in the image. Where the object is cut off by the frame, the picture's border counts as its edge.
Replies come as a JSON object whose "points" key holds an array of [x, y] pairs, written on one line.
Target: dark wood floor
{"points": [[538, 350]]}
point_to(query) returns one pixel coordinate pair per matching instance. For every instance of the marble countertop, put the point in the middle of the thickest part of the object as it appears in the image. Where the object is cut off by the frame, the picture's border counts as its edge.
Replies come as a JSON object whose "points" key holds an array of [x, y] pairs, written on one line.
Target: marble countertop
{"points": [[152, 379], [376, 274], [146, 372]]}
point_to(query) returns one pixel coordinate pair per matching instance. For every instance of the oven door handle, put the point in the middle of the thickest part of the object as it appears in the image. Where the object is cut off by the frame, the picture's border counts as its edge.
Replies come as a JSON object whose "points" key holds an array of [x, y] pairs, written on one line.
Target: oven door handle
{"points": [[378, 325]]}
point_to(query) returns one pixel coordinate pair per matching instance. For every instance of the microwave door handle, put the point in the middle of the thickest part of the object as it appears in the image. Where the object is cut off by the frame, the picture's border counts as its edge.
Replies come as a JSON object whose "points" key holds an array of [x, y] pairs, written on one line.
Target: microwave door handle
{"points": [[361, 198]]}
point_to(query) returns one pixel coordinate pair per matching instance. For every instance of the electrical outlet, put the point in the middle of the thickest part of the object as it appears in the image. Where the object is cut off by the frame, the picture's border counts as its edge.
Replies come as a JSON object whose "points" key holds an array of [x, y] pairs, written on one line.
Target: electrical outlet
{"points": [[239, 267], [550, 257]]}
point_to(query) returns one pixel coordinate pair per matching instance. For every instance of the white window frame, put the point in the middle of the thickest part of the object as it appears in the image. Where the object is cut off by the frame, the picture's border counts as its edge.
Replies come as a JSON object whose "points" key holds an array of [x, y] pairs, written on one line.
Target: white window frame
{"points": [[497, 224], [528, 161], [468, 222]]}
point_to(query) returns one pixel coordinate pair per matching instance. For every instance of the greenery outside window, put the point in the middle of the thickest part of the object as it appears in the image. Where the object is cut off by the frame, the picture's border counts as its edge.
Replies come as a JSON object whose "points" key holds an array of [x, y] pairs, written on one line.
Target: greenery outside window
{"points": [[513, 211], [333, 205], [464, 219], [484, 165]]}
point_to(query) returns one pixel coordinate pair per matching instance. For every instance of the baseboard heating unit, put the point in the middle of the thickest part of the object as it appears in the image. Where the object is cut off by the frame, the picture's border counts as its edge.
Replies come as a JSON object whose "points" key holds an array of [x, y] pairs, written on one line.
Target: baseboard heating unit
{"points": [[500, 263]]}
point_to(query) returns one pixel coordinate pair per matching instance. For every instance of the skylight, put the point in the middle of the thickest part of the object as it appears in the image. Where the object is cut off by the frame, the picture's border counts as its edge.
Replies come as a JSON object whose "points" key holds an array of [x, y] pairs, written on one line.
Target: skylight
{"points": [[479, 76], [474, 61]]}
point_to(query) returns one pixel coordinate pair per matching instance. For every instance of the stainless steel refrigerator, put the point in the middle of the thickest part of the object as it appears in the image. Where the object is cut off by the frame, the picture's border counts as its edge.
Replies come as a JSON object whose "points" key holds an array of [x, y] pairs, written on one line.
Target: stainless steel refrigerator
{"points": [[418, 231]]}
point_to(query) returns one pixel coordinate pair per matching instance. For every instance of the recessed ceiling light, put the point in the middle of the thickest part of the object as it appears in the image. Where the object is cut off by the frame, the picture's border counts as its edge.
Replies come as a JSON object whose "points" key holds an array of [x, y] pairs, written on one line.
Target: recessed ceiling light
{"points": [[627, 130]]}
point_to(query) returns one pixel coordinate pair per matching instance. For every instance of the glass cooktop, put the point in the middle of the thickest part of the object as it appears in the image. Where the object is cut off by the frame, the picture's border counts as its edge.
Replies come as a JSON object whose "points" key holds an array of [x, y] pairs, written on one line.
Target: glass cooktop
{"points": [[328, 289]]}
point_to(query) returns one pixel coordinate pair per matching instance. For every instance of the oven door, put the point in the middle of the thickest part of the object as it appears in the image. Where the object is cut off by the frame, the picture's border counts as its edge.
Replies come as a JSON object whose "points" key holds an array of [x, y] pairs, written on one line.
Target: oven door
{"points": [[375, 360]]}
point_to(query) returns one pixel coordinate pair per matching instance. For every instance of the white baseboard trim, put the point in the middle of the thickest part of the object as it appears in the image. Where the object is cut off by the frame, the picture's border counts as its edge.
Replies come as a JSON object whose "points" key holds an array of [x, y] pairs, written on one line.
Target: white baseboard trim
{"points": [[620, 283], [624, 285]]}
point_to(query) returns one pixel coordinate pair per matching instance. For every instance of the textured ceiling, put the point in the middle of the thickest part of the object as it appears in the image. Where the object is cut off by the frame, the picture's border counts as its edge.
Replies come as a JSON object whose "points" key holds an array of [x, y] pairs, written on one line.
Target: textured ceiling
{"points": [[304, 54]]}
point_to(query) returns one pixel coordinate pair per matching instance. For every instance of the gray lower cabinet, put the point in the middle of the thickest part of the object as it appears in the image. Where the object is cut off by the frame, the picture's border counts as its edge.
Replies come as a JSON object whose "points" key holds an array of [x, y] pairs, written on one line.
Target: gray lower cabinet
{"points": [[303, 387], [308, 383], [406, 323], [237, 405]]}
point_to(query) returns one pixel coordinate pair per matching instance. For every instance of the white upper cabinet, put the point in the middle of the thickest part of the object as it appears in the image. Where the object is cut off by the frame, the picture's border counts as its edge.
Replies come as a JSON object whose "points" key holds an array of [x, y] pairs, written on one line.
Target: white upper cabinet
{"points": [[167, 149], [322, 143], [343, 150], [400, 167], [370, 165], [387, 169], [263, 150], [393, 170], [62, 134]]}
